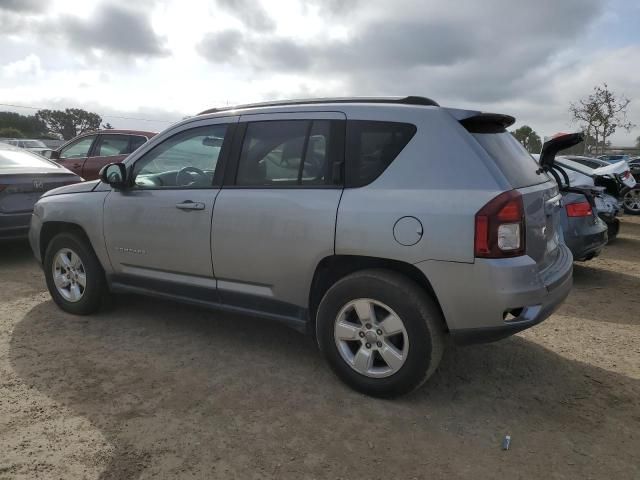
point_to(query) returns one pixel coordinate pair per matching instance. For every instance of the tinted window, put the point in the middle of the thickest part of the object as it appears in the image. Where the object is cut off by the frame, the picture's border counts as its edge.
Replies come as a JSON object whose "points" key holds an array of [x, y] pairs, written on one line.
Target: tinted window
{"points": [[79, 149], [516, 164], [111, 145], [186, 160], [372, 146], [291, 152], [137, 142]]}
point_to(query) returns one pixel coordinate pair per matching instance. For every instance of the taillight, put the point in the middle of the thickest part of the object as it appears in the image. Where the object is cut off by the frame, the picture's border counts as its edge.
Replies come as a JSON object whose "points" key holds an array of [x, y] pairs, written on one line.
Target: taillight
{"points": [[626, 175], [581, 209], [500, 227]]}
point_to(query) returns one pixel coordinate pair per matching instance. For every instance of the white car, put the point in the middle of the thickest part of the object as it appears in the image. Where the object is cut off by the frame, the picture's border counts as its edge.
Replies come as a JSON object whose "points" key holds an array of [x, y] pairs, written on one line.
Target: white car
{"points": [[594, 167], [34, 146]]}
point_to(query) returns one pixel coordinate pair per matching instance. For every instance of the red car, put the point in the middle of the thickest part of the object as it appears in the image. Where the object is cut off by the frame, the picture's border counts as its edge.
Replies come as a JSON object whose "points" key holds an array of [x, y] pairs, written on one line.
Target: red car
{"points": [[87, 153]]}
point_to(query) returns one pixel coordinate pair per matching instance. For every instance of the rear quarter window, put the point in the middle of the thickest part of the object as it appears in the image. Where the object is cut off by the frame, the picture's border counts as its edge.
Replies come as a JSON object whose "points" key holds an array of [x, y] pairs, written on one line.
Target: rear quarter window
{"points": [[516, 164], [371, 146]]}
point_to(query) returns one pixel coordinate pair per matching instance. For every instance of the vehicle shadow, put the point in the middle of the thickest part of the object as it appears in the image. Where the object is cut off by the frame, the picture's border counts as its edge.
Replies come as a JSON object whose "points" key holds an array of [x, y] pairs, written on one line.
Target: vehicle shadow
{"points": [[19, 272], [175, 389], [592, 298]]}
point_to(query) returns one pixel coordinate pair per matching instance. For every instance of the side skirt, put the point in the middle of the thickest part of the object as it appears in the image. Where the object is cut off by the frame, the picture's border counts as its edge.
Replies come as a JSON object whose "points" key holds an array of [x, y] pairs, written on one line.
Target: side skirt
{"points": [[243, 304]]}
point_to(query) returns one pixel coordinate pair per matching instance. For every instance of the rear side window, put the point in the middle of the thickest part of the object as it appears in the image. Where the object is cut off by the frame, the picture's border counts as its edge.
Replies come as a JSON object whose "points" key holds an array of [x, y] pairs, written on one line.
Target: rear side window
{"points": [[112, 145], [136, 143], [516, 164], [371, 147], [285, 153]]}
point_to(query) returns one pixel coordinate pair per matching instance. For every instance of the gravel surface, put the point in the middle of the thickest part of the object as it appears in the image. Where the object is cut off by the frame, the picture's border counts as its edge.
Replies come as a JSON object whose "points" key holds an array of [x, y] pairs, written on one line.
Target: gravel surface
{"points": [[152, 389]]}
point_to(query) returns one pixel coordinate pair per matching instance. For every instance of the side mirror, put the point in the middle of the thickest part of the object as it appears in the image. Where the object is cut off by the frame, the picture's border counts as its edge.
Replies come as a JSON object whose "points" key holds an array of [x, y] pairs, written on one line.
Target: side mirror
{"points": [[114, 174], [54, 155]]}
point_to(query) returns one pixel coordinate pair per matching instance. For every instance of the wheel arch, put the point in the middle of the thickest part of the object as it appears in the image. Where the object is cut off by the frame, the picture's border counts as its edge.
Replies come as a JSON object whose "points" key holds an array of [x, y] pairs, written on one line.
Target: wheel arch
{"points": [[52, 228], [334, 267]]}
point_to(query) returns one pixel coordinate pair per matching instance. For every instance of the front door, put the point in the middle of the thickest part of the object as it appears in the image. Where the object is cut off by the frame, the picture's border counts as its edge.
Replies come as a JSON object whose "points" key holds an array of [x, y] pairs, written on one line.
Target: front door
{"points": [[74, 155], [110, 148], [275, 220], [160, 228]]}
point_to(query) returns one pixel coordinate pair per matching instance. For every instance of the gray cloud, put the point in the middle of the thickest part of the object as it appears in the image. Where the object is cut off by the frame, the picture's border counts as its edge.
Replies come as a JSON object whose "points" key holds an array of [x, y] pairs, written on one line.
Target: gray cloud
{"points": [[23, 5], [482, 51], [250, 13], [114, 29]]}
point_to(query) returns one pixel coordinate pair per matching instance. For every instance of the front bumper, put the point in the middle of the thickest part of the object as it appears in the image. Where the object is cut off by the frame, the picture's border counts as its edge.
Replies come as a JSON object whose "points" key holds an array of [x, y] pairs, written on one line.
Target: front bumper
{"points": [[493, 298], [34, 236]]}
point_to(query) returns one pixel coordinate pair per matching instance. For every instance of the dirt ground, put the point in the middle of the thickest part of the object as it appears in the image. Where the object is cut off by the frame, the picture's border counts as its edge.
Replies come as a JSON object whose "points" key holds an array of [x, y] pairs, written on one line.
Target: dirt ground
{"points": [[152, 389]]}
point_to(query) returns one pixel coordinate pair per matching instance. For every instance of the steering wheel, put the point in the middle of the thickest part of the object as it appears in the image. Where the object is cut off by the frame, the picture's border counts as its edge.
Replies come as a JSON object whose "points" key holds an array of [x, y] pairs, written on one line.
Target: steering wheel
{"points": [[184, 177]]}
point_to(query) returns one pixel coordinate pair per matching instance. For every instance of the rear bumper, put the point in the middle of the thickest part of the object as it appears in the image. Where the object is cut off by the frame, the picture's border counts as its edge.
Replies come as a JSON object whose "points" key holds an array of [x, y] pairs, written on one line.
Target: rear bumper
{"points": [[14, 225], [585, 238], [476, 298]]}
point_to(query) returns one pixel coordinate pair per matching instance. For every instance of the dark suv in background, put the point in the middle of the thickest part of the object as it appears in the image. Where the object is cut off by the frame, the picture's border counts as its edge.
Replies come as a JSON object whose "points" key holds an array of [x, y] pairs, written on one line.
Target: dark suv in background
{"points": [[86, 154]]}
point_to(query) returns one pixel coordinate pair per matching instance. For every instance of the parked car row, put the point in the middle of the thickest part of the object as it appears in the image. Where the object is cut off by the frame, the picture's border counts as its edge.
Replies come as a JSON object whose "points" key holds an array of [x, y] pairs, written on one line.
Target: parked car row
{"points": [[378, 226]]}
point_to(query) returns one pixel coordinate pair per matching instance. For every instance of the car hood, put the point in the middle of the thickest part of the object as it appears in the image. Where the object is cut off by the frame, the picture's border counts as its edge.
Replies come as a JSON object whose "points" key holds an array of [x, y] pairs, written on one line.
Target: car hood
{"points": [[82, 187]]}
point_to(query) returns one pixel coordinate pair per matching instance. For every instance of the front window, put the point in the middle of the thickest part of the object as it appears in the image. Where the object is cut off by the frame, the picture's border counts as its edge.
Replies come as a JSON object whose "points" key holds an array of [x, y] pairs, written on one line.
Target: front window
{"points": [[79, 149], [186, 160]]}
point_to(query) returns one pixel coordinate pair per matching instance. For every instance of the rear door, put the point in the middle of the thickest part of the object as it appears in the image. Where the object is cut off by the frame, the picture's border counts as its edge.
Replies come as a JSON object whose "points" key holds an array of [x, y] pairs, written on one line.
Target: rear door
{"points": [[274, 219], [109, 148], [73, 155]]}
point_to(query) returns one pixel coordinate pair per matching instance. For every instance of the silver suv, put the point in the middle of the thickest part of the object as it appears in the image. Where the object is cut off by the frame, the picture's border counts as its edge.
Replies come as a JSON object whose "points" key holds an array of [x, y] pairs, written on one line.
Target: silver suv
{"points": [[382, 226]]}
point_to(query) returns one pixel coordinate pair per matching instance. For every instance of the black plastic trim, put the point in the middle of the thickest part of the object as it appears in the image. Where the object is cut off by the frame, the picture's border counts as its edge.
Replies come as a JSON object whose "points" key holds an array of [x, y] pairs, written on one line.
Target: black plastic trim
{"points": [[244, 304], [488, 123]]}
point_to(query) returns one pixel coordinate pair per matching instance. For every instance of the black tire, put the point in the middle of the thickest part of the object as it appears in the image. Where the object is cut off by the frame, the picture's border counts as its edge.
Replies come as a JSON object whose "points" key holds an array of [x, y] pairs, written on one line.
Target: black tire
{"points": [[95, 290], [419, 313]]}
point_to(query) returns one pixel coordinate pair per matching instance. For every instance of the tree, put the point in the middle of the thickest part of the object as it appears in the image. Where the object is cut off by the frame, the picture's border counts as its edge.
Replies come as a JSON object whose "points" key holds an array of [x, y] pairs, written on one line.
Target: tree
{"points": [[528, 138], [601, 114], [10, 132], [70, 122], [107, 126], [29, 125], [638, 142]]}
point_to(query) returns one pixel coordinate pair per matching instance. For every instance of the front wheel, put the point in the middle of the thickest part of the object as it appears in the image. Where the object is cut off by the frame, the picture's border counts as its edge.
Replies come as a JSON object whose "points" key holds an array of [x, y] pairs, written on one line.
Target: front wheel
{"points": [[74, 276], [631, 201], [380, 332]]}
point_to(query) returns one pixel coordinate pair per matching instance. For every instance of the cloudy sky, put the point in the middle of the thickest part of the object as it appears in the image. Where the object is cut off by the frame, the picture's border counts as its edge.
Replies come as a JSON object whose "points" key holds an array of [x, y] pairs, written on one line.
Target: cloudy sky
{"points": [[161, 60]]}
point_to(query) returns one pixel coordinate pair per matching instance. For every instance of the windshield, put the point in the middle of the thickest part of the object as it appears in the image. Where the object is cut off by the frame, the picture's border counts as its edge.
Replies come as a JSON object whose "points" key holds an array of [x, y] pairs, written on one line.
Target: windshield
{"points": [[511, 157], [18, 159]]}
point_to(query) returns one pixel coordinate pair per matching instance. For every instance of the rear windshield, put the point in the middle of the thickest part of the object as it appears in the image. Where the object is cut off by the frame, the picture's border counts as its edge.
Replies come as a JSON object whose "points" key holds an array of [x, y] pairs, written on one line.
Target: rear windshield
{"points": [[516, 164], [22, 159]]}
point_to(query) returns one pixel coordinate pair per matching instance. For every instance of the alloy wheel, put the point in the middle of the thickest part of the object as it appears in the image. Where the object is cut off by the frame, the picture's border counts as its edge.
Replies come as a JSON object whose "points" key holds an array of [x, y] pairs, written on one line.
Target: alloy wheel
{"points": [[69, 275], [371, 338], [631, 200]]}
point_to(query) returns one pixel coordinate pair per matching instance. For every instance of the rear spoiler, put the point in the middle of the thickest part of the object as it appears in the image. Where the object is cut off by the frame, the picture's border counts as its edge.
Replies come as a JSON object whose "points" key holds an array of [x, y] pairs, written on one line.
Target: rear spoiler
{"points": [[555, 145], [487, 123]]}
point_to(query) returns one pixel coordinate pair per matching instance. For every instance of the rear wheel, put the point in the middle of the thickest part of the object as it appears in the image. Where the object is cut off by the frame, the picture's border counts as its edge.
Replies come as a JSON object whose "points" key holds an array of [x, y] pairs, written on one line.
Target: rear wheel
{"points": [[380, 332], [631, 201], [74, 276]]}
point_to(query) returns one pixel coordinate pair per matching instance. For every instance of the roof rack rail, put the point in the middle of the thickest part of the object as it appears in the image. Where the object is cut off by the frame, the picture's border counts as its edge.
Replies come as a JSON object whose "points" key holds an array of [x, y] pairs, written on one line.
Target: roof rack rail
{"points": [[410, 100]]}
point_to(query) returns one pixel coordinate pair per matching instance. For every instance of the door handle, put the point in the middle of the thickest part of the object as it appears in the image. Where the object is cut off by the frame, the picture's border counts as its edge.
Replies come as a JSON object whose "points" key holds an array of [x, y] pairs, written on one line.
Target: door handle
{"points": [[189, 205]]}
